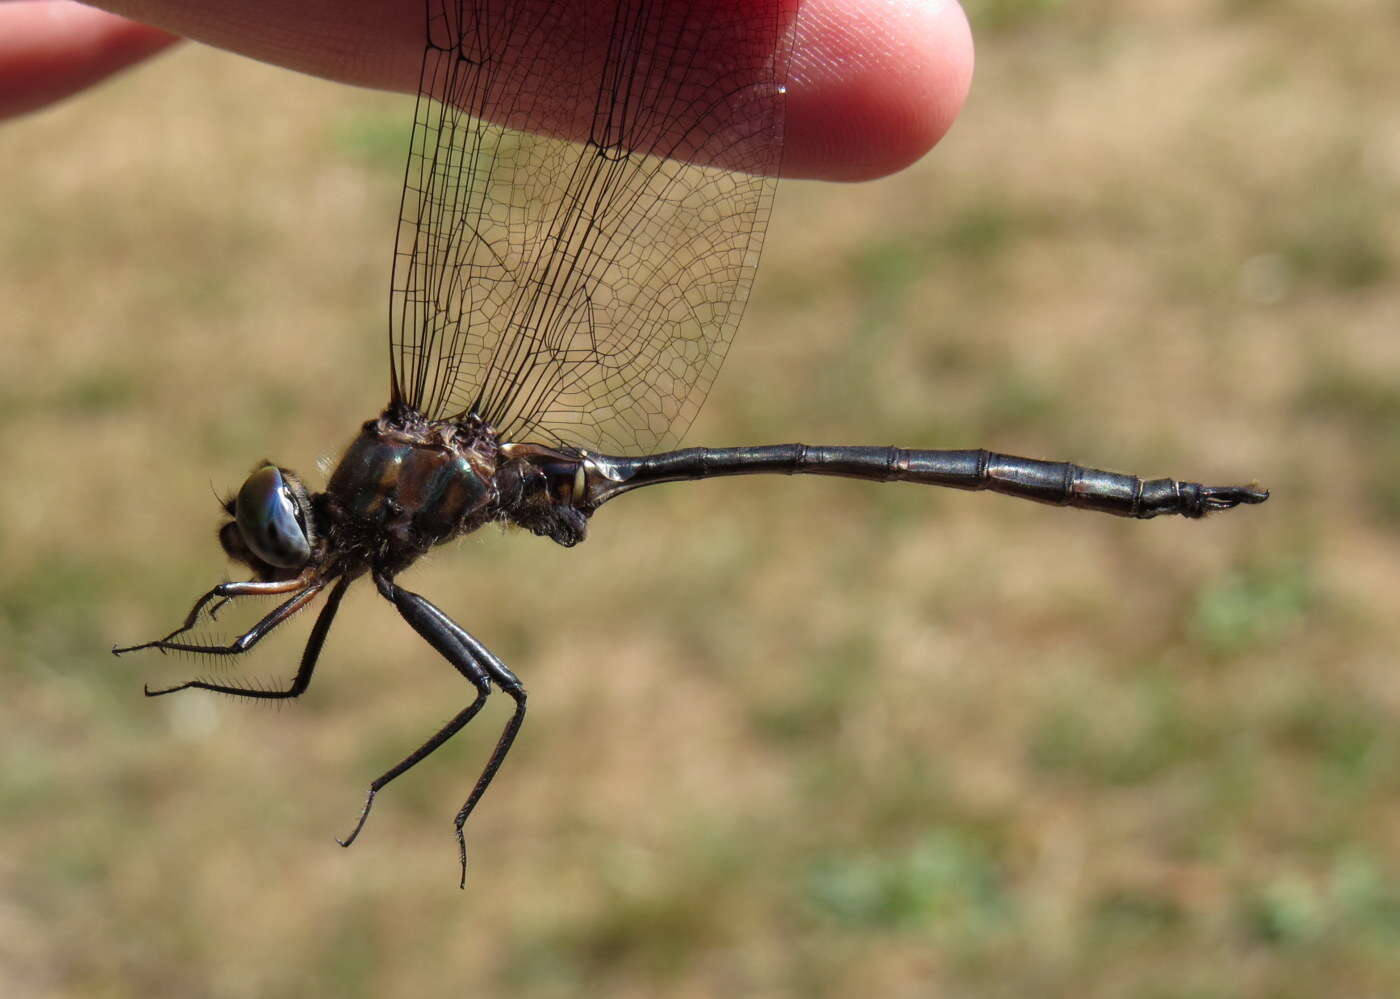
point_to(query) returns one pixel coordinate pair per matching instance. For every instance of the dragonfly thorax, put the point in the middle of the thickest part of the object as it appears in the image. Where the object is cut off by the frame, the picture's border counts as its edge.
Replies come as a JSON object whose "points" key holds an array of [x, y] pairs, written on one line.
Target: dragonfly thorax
{"points": [[406, 484]]}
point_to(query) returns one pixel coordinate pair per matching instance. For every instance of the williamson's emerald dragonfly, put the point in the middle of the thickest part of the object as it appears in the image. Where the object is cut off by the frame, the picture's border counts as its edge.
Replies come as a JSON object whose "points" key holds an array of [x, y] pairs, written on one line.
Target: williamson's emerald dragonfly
{"points": [[558, 312]]}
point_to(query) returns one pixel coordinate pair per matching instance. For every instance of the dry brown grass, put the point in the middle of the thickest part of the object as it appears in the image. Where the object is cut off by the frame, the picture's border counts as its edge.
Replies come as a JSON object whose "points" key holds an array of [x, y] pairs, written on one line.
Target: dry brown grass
{"points": [[837, 739]]}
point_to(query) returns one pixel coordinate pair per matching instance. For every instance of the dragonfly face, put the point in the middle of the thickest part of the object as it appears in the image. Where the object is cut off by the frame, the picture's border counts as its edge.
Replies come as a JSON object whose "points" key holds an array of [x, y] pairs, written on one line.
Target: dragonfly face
{"points": [[273, 531]]}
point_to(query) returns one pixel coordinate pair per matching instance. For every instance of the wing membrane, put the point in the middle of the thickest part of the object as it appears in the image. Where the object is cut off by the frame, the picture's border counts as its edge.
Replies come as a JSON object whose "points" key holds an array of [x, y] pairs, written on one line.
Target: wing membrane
{"points": [[584, 292]]}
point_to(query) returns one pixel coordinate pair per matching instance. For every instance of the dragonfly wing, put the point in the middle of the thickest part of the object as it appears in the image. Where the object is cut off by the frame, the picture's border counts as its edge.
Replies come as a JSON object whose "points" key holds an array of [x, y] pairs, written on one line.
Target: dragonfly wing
{"points": [[573, 271]]}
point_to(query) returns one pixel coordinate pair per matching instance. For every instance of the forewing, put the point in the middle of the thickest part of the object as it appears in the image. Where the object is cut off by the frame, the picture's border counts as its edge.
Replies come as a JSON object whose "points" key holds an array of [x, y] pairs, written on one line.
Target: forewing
{"points": [[584, 292]]}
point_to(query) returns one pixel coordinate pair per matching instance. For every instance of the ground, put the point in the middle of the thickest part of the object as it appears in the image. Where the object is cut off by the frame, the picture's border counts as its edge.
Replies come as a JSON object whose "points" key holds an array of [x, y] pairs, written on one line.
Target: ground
{"points": [[788, 736]]}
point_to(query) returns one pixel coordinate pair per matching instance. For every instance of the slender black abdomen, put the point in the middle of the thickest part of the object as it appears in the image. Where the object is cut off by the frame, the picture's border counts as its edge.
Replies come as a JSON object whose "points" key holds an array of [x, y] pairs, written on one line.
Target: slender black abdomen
{"points": [[1055, 482]]}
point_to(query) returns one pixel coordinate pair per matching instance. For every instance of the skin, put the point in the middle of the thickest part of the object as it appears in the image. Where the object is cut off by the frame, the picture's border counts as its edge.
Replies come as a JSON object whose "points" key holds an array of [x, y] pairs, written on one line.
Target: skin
{"points": [[874, 83]]}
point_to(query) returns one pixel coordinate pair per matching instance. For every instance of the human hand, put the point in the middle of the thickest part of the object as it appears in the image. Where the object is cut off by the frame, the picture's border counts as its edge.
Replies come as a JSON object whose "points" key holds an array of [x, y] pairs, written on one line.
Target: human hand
{"points": [[873, 83]]}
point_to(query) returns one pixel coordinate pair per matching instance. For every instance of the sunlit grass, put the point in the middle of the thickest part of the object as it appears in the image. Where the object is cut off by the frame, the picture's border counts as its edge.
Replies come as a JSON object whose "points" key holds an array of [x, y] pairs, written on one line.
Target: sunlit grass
{"points": [[795, 737]]}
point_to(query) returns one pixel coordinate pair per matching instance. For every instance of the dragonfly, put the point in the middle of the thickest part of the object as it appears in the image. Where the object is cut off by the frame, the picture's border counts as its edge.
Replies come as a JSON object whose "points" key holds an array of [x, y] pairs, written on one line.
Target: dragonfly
{"points": [[559, 308]]}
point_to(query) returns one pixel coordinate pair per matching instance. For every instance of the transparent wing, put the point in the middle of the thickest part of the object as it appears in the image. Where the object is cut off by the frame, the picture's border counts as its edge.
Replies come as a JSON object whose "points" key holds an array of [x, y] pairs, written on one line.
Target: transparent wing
{"points": [[584, 292]]}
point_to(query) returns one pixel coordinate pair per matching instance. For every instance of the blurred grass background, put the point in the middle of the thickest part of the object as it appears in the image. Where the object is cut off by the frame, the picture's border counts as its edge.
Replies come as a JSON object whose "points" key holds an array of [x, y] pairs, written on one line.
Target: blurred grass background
{"points": [[787, 737]]}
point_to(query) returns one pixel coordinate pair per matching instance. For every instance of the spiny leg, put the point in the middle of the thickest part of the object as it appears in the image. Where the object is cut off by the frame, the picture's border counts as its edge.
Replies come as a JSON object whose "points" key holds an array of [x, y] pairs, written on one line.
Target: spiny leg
{"points": [[308, 656], [243, 642], [507, 681], [468, 668], [510, 683], [225, 592], [474, 661]]}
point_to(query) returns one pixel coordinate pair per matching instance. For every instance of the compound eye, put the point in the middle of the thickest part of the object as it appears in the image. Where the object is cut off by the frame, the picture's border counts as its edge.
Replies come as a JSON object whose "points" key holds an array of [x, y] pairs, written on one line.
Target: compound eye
{"points": [[270, 521]]}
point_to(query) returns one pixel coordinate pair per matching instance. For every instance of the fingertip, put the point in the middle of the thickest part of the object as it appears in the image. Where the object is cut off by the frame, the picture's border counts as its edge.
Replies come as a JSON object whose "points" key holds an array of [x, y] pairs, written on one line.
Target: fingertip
{"points": [[49, 51], [874, 86]]}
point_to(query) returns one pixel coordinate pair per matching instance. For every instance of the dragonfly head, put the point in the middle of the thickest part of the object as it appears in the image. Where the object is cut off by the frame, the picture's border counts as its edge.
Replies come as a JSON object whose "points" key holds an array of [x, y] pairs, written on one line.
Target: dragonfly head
{"points": [[272, 531]]}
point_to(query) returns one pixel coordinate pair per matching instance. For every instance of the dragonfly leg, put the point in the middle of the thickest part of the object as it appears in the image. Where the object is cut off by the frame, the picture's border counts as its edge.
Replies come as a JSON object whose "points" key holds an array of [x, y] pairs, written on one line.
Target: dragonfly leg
{"points": [[223, 593], [479, 665], [245, 641]]}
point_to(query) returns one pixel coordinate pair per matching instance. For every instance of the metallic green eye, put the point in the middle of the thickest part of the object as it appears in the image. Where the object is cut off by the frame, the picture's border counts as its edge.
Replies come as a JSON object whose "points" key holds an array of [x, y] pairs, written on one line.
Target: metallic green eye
{"points": [[269, 519]]}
